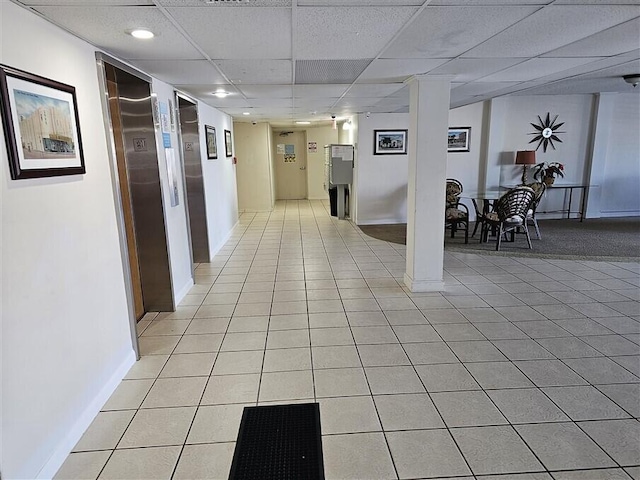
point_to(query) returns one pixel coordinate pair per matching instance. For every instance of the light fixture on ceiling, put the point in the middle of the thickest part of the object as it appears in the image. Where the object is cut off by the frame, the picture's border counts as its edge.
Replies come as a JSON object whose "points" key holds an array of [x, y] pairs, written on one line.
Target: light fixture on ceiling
{"points": [[346, 125], [303, 122], [632, 79], [142, 33], [246, 113], [220, 93]]}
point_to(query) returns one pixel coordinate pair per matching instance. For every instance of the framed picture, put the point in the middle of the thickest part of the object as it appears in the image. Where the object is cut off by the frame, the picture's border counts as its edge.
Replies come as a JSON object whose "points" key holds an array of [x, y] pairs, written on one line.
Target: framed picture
{"points": [[41, 125], [228, 150], [389, 142], [459, 139], [212, 146]]}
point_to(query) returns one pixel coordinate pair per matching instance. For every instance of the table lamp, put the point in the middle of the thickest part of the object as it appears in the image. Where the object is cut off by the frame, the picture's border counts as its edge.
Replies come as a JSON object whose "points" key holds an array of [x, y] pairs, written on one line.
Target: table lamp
{"points": [[524, 158]]}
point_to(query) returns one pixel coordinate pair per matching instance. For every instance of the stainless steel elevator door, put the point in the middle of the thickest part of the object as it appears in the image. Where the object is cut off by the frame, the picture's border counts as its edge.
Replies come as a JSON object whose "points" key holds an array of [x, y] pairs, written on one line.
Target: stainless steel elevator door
{"points": [[194, 182], [145, 202]]}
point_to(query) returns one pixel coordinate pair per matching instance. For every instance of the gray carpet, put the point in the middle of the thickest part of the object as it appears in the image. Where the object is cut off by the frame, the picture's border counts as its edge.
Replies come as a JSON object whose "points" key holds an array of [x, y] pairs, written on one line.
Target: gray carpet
{"points": [[594, 238]]}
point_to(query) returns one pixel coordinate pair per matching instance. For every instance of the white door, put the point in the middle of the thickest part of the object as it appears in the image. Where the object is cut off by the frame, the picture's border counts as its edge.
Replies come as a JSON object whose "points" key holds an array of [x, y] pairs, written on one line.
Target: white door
{"points": [[291, 165]]}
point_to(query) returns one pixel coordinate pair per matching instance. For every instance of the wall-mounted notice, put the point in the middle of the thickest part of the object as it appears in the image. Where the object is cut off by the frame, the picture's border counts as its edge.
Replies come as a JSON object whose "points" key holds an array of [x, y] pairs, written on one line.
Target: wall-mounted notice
{"points": [[345, 152], [165, 124], [312, 147], [280, 149], [289, 149], [172, 175]]}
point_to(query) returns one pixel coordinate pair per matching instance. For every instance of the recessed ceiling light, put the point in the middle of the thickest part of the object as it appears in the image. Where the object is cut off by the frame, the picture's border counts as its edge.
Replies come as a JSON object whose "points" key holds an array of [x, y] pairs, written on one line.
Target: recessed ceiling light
{"points": [[220, 93], [142, 33], [303, 123], [246, 113]]}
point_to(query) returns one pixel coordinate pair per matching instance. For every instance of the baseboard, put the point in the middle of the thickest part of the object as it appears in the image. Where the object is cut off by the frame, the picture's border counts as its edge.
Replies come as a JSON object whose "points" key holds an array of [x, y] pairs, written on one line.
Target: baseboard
{"points": [[85, 418], [617, 213], [382, 221], [214, 251], [181, 294], [423, 285]]}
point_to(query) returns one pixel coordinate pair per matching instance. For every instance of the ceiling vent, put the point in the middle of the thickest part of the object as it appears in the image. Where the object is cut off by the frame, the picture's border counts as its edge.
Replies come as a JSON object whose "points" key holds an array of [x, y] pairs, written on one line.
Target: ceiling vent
{"points": [[329, 71]]}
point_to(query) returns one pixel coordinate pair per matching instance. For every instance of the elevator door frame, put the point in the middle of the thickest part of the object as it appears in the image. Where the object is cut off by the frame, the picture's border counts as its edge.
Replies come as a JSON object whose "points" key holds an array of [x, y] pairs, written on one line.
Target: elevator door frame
{"points": [[101, 60]]}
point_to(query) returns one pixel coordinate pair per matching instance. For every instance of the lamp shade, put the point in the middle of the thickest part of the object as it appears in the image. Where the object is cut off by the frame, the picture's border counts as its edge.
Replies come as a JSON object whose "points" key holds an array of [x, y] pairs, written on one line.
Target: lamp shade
{"points": [[526, 157]]}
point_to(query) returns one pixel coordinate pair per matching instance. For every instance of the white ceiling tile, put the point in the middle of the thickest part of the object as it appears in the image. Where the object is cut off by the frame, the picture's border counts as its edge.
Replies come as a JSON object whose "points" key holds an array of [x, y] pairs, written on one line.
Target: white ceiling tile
{"points": [[329, 71], [312, 104], [360, 3], [374, 90], [106, 28], [445, 32], [274, 72], [86, 3], [596, 2], [315, 91], [205, 93], [469, 69], [181, 71], [392, 70], [489, 2], [535, 68], [481, 88], [248, 33], [346, 32], [266, 91], [552, 27], [619, 39], [270, 102], [225, 4]]}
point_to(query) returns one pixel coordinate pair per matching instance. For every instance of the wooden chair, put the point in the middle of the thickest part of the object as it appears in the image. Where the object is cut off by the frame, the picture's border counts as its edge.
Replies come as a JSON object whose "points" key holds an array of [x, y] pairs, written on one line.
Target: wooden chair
{"points": [[456, 213], [510, 214]]}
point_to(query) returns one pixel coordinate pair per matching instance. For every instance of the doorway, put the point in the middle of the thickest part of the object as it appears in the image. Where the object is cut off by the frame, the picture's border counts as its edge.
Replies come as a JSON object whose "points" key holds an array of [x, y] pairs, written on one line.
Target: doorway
{"points": [[194, 183], [291, 165], [130, 112]]}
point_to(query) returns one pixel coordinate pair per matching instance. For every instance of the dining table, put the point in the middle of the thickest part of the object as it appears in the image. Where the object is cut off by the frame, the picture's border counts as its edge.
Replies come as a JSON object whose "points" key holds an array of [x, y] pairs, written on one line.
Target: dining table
{"points": [[487, 197]]}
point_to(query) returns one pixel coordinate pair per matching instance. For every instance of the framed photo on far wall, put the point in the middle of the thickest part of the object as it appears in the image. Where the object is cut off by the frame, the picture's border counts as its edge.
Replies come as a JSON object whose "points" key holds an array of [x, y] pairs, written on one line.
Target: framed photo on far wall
{"points": [[389, 142], [212, 146], [41, 125], [459, 139], [228, 150]]}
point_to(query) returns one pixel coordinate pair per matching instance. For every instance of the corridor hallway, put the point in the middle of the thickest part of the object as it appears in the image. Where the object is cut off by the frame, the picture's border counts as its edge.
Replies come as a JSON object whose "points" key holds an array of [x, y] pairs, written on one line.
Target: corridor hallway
{"points": [[521, 365]]}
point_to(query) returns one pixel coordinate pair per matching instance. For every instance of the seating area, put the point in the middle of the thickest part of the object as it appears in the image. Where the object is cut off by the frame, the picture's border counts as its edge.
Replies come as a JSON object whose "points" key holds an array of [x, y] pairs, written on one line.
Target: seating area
{"points": [[510, 213]]}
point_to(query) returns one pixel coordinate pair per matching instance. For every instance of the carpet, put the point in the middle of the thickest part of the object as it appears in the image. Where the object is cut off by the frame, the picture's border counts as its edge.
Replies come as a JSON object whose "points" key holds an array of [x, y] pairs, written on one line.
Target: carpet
{"points": [[279, 442], [607, 238]]}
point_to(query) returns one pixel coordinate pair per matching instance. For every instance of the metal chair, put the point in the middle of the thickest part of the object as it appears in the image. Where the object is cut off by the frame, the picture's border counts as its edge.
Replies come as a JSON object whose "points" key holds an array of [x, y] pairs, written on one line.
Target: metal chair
{"points": [[510, 214], [456, 213], [539, 188]]}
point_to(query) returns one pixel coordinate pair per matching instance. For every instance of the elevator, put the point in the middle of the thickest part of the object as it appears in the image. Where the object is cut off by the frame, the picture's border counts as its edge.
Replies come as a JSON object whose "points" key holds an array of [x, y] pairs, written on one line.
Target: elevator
{"points": [[138, 190], [194, 183]]}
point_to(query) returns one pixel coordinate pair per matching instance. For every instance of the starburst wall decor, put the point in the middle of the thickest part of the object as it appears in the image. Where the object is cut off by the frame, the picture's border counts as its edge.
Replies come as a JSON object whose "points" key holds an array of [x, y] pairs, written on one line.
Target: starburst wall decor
{"points": [[546, 132]]}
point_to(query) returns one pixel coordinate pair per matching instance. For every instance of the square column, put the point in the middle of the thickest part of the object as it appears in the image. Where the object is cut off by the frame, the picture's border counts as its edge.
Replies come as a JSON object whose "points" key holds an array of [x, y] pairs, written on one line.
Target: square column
{"points": [[427, 151]]}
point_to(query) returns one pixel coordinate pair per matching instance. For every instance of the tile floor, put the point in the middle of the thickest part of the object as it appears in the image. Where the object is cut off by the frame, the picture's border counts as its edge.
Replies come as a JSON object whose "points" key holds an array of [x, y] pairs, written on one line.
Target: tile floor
{"points": [[523, 368]]}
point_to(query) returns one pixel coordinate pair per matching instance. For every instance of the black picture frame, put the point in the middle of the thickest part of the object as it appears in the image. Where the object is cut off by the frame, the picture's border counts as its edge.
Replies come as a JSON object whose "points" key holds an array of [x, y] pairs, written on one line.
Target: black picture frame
{"points": [[459, 139], [228, 149], [390, 142], [29, 101], [212, 144]]}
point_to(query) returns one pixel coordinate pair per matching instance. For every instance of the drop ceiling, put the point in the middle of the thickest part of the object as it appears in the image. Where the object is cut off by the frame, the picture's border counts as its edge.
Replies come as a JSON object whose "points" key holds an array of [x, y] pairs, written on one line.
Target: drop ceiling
{"points": [[288, 60]]}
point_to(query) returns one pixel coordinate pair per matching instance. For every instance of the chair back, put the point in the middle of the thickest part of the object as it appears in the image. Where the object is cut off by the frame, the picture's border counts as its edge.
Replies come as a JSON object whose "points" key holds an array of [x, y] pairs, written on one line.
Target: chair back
{"points": [[514, 205], [454, 190], [538, 188]]}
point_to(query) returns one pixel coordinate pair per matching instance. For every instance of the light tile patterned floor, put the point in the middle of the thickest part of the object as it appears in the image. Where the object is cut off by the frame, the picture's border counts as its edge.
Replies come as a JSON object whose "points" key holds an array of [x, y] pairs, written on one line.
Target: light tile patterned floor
{"points": [[523, 368]]}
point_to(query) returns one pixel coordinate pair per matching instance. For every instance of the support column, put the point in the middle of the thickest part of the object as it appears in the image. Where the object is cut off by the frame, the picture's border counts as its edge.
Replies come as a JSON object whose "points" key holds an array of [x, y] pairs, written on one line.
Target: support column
{"points": [[427, 152]]}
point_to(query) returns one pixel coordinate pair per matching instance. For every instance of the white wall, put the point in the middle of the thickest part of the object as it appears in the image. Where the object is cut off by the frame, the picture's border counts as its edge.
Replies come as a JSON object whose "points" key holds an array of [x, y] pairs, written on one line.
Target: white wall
{"points": [[501, 127], [175, 218], [620, 194], [324, 135], [254, 169], [381, 185], [65, 334], [219, 177]]}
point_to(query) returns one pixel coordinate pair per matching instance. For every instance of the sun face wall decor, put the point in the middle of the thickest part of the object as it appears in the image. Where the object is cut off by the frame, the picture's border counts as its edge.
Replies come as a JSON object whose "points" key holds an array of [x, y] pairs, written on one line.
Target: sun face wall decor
{"points": [[546, 132]]}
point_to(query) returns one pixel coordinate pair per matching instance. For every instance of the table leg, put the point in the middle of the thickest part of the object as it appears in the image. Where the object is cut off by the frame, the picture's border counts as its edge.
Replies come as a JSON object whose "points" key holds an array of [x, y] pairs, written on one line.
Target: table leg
{"points": [[570, 198], [584, 198]]}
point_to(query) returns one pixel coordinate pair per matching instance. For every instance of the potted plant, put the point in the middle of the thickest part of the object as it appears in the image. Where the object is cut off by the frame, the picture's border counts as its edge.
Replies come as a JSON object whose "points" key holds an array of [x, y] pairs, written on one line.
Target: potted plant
{"points": [[547, 172]]}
